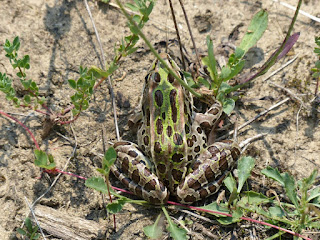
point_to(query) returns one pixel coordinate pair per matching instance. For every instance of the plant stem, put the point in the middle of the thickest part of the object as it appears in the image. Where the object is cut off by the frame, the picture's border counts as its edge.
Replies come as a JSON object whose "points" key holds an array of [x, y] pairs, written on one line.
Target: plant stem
{"points": [[140, 33], [24, 126]]}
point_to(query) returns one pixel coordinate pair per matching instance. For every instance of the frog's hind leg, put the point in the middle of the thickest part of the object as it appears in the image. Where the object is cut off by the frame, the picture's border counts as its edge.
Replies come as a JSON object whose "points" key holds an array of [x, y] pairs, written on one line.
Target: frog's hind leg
{"points": [[209, 171], [133, 169]]}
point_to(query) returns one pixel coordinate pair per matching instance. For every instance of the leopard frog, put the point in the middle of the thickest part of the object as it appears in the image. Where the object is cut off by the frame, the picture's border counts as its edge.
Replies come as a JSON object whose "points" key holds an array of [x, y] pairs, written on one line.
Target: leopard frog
{"points": [[172, 155]]}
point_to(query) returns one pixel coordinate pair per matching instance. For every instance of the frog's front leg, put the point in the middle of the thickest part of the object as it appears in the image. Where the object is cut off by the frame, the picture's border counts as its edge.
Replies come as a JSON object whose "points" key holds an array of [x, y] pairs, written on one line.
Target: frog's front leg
{"points": [[133, 169], [209, 171]]}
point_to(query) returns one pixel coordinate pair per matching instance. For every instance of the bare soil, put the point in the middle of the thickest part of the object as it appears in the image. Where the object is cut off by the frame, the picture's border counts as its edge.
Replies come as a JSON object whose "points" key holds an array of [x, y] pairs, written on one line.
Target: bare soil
{"points": [[59, 37]]}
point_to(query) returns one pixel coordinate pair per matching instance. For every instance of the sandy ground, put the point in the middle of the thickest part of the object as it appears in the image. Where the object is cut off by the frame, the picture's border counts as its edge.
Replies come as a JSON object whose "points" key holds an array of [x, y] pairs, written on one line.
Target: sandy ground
{"points": [[59, 36]]}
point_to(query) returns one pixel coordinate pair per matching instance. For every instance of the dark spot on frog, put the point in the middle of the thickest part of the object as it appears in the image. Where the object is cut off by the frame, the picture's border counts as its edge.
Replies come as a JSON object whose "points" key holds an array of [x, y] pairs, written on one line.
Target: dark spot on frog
{"points": [[177, 139], [177, 157], [151, 185], [157, 147], [132, 153], [169, 131], [158, 96], [199, 130], [177, 175], [136, 176], [161, 168], [197, 149], [164, 116], [159, 126], [146, 140]]}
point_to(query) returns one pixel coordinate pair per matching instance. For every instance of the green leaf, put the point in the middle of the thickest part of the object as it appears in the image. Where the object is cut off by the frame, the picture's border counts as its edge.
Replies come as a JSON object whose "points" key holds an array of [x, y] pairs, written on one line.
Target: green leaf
{"points": [[255, 30], [274, 174], [97, 183], [289, 185], [210, 61], [230, 183], [245, 165], [314, 193], [27, 99], [21, 231], [28, 225], [72, 83], [116, 206], [132, 7], [229, 220], [217, 208], [154, 231], [228, 105], [310, 180], [253, 198], [42, 160], [109, 157], [176, 232], [225, 72], [276, 211]]}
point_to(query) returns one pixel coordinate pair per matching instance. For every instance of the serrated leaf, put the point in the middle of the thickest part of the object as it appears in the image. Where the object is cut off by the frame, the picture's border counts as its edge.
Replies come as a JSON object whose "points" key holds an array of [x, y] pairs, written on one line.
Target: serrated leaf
{"points": [[97, 183], [245, 165]]}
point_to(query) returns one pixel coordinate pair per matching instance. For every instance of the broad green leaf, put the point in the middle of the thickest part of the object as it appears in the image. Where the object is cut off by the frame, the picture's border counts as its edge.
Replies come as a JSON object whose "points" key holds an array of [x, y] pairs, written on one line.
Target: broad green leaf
{"points": [[42, 160], [245, 165], [116, 206], [274, 174], [230, 183], [225, 72], [253, 198], [72, 83], [132, 7], [176, 232], [110, 157], [276, 211], [21, 231], [154, 231], [27, 99], [255, 30], [228, 105], [97, 183], [289, 185], [217, 208]]}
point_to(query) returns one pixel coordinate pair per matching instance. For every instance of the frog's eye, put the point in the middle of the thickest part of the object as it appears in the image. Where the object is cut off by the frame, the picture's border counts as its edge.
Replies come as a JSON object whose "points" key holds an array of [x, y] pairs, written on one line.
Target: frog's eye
{"points": [[156, 77]]}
